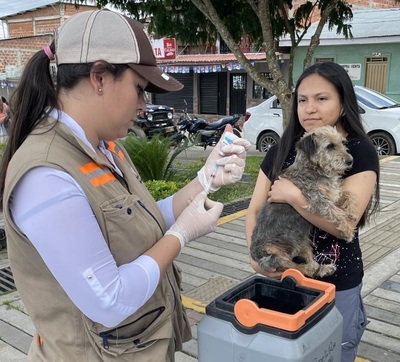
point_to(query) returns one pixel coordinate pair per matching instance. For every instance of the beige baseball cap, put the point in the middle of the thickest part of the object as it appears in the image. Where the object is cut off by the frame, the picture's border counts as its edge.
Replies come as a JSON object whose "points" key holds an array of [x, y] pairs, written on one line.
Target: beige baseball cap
{"points": [[106, 35]]}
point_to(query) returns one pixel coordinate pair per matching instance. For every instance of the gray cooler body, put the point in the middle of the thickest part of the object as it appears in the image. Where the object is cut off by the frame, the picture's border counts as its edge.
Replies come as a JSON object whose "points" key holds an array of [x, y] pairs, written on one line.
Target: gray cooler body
{"points": [[264, 319]]}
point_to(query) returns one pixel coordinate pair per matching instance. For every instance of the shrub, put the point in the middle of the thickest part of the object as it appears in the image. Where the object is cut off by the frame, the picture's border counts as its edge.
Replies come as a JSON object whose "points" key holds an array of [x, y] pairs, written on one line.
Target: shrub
{"points": [[155, 160], [149, 156], [154, 157], [160, 189]]}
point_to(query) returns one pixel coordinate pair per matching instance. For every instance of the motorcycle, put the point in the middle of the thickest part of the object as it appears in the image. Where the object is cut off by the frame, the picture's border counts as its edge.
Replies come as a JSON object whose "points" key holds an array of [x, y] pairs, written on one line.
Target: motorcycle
{"points": [[204, 133]]}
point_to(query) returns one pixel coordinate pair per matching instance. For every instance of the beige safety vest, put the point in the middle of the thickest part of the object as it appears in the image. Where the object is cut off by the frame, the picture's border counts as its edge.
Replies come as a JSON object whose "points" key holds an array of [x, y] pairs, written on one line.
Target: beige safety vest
{"points": [[131, 223]]}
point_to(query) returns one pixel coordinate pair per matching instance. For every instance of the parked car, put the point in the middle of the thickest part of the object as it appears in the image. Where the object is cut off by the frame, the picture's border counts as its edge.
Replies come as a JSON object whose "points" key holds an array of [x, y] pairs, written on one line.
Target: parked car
{"points": [[263, 125], [380, 114], [156, 119]]}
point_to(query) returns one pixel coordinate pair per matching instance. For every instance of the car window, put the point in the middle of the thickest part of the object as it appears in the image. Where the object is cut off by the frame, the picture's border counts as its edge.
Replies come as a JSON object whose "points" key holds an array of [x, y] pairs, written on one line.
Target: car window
{"points": [[374, 99]]}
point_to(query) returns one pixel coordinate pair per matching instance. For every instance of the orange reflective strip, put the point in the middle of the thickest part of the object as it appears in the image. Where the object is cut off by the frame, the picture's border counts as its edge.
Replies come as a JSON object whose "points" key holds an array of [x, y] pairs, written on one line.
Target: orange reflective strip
{"points": [[121, 155], [111, 146], [103, 179], [98, 175], [89, 167]]}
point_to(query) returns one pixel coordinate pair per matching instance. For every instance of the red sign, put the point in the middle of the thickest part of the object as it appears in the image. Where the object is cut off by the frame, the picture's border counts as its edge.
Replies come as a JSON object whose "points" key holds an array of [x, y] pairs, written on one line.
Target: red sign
{"points": [[164, 48]]}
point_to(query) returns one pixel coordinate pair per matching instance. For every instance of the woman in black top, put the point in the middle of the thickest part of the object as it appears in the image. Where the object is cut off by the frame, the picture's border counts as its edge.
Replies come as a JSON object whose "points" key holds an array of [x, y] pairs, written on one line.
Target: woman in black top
{"points": [[324, 95]]}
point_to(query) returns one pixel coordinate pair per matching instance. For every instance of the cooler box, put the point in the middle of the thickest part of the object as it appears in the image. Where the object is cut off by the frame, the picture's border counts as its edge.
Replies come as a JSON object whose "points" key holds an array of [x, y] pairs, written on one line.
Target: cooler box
{"points": [[267, 320]]}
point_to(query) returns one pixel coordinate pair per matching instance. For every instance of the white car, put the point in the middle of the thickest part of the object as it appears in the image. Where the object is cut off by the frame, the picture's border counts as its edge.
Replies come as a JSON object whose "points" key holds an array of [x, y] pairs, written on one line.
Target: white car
{"points": [[380, 114]]}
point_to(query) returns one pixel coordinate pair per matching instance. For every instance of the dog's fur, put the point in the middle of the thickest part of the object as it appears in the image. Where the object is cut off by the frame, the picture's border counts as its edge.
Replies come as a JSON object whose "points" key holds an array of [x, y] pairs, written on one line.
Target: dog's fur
{"points": [[281, 237]]}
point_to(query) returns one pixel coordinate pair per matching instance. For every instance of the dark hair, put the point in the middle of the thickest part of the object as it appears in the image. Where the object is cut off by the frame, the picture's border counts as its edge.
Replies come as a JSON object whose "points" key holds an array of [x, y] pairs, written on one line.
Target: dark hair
{"points": [[36, 96], [350, 120]]}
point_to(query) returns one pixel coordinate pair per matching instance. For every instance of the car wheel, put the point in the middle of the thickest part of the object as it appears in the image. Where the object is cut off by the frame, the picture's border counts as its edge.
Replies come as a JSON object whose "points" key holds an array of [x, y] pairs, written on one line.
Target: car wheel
{"points": [[383, 144], [136, 131], [266, 141]]}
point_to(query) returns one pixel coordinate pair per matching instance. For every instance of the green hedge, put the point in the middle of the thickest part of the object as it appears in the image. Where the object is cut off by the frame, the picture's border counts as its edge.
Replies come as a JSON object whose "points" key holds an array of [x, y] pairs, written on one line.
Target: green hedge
{"points": [[160, 189]]}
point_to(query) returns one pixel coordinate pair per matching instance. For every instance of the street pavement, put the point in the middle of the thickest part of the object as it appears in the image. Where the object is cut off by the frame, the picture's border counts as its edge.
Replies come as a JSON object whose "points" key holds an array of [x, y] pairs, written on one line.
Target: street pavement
{"points": [[219, 261]]}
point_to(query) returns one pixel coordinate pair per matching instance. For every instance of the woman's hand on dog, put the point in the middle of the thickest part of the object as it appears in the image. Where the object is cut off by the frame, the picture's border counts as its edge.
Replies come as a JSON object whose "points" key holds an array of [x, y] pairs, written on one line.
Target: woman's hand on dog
{"points": [[285, 191]]}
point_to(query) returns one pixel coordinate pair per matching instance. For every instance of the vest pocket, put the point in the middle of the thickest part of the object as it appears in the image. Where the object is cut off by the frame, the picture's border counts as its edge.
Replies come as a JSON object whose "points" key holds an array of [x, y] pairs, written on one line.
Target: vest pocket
{"points": [[130, 229], [135, 336]]}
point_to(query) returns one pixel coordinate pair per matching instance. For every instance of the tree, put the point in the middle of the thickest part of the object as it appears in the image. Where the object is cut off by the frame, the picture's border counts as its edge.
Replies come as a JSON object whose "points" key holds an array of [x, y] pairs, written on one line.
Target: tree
{"points": [[263, 21]]}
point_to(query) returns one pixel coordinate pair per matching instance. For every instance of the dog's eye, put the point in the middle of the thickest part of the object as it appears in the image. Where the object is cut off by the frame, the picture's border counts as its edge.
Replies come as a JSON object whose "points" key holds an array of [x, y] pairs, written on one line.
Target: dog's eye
{"points": [[331, 146]]}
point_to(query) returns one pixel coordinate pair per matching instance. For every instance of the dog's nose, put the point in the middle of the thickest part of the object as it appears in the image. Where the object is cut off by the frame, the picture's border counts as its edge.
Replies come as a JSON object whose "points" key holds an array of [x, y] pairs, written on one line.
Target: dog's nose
{"points": [[349, 162]]}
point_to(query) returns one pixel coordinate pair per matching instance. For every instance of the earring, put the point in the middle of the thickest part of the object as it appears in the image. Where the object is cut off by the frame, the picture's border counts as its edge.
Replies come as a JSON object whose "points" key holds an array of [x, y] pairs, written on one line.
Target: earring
{"points": [[100, 90]]}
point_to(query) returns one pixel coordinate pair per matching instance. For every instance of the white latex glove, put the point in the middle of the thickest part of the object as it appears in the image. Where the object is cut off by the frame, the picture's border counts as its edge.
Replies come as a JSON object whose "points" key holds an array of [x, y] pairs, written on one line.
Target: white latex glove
{"points": [[197, 219], [230, 167]]}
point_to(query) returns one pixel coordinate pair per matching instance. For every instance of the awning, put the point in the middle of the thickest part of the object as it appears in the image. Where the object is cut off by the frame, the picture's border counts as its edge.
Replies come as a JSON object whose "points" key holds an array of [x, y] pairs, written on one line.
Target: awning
{"points": [[206, 63]]}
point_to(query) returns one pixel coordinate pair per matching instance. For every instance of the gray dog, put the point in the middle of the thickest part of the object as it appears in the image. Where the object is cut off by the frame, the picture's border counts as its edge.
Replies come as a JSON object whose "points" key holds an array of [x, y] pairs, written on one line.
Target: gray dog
{"points": [[281, 237]]}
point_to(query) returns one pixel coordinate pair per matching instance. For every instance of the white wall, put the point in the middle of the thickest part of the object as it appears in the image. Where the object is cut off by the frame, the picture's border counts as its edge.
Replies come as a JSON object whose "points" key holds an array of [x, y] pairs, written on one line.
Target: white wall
{"points": [[3, 30]]}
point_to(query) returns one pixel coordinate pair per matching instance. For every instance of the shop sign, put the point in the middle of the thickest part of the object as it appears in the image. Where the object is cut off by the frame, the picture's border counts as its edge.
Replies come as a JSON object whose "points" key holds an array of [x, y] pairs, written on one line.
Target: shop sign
{"points": [[164, 48]]}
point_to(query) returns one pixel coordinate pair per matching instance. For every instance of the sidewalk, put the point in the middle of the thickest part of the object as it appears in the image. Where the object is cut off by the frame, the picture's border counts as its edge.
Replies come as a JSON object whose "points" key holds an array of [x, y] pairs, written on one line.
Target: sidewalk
{"points": [[219, 261]]}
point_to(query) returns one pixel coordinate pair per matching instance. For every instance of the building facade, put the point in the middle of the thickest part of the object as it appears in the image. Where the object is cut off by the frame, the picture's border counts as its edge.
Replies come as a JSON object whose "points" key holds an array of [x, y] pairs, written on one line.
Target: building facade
{"points": [[29, 30], [213, 86], [372, 57], [215, 83]]}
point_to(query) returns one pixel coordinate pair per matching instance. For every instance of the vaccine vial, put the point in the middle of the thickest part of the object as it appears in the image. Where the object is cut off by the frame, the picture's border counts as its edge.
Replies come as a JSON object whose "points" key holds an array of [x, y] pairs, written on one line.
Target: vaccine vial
{"points": [[228, 138]]}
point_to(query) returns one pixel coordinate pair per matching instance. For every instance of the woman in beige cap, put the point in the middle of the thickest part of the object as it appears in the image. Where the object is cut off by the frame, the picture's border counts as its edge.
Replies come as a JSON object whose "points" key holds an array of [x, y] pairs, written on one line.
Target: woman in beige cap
{"points": [[92, 253]]}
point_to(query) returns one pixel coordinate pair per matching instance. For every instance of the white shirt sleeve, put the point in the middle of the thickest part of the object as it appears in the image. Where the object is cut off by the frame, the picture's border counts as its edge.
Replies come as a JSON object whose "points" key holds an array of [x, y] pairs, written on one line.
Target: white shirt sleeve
{"points": [[167, 211], [52, 210]]}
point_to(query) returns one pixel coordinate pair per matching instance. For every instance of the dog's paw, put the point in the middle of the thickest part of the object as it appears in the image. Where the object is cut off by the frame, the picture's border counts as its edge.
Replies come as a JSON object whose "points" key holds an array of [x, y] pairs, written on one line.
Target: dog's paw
{"points": [[347, 233], [349, 205], [325, 270], [346, 230], [352, 216]]}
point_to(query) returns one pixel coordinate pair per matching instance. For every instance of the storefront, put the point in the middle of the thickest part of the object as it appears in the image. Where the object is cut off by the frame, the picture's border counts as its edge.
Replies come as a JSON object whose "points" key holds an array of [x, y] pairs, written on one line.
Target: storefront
{"points": [[214, 84]]}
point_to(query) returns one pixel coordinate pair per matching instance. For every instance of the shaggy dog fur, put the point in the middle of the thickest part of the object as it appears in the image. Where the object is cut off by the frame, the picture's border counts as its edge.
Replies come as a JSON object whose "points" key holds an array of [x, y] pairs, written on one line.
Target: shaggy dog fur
{"points": [[281, 237]]}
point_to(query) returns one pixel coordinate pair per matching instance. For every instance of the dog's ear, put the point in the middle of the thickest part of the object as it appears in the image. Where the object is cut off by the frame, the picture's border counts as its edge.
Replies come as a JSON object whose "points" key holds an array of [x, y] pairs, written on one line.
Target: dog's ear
{"points": [[307, 144]]}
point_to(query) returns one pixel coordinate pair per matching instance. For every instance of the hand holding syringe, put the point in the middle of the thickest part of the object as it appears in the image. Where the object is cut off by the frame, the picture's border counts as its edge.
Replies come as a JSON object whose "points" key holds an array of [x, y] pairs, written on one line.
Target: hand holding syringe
{"points": [[228, 138], [225, 165]]}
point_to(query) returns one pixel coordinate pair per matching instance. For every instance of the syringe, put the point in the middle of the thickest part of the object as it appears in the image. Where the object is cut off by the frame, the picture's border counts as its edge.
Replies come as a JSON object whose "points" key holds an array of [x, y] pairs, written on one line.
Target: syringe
{"points": [[228, 138]]}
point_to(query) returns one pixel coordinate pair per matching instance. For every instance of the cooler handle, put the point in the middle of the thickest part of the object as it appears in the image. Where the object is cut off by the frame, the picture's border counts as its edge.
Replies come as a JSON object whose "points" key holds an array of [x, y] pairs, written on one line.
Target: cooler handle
{"points": [[249, 314]]}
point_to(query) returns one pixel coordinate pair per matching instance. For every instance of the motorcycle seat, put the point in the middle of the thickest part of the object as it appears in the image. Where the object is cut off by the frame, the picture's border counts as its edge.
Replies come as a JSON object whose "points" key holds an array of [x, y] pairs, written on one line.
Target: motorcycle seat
{"points": [[221, 122]]}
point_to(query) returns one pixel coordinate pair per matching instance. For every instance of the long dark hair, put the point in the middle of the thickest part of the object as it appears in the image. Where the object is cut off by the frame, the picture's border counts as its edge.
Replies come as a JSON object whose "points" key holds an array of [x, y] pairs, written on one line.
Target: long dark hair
{"points": [[350, 121], [36, 96]]}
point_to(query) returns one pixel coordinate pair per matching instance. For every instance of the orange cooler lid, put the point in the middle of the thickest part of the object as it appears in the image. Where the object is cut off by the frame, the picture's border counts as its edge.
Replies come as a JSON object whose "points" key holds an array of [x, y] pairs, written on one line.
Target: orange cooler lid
{"points": [[249, 314]]}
